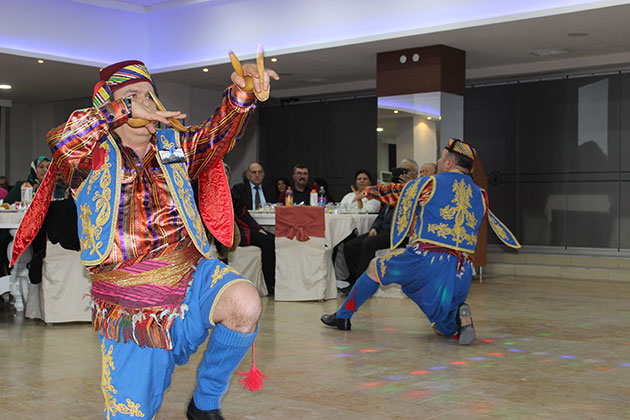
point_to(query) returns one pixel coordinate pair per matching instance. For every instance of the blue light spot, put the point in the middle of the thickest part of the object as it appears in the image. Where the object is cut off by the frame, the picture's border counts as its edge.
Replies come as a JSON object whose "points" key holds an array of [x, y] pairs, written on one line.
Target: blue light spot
{"points": [[439, 367]]}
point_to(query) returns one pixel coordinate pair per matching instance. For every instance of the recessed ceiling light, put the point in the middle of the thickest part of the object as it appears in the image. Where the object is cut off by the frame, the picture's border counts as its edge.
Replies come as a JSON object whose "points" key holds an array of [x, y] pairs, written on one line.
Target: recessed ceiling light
{"points": [[395, 111], [5, 86], [549, 51], [40, 61], [274, 59], [429, 118], [379, 129], [577, 34], [206, 70]]}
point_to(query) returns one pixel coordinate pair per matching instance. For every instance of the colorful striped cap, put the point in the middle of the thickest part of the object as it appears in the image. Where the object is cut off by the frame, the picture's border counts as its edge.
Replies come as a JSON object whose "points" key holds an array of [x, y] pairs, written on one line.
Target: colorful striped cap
{"points": [[117, 76], [462, 148]]}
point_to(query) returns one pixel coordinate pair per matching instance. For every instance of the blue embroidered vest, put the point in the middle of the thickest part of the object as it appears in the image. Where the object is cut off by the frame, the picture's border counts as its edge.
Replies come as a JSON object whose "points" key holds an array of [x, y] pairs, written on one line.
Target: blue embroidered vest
{"points": [[98, 197], [450, 217]]}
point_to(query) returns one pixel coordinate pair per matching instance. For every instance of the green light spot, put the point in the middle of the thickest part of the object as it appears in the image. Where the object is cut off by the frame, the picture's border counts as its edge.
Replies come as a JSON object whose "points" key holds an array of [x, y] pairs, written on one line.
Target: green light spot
{"points": [[483, 366], [521, 357], [575, 364], [390, 353], [545, 334], [508, 343], [341, 347]]}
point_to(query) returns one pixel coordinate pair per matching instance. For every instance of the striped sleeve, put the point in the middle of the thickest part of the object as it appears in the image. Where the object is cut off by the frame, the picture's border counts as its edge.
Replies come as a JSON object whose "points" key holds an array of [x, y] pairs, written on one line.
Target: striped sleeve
{"points": [[208, 142], [385, 193], [72, 143]]}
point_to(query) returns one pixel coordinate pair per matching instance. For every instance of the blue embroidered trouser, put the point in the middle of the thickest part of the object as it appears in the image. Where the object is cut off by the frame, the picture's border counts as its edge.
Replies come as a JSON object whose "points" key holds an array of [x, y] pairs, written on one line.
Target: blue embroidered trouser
{"points": [[435, 281], [135, 378]]}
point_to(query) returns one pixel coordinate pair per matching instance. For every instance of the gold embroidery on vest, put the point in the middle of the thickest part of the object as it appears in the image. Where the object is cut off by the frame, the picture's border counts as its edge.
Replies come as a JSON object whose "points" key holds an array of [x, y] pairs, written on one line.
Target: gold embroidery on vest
{"points": [[460, 213], [90, 240], [405, 208], [498, 229], [112, 407], [167, 144], [179, 174]]}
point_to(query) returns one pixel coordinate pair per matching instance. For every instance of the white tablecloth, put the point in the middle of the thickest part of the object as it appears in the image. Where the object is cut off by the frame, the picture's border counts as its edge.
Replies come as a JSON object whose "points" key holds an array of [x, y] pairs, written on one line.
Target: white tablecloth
{"points": [[10, 219], [338, 226]]}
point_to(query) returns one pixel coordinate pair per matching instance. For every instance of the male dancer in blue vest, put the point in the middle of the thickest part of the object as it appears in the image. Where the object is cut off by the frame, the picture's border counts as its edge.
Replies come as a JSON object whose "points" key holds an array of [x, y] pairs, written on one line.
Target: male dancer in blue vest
{"points": [[156, 293], [443, 214]]}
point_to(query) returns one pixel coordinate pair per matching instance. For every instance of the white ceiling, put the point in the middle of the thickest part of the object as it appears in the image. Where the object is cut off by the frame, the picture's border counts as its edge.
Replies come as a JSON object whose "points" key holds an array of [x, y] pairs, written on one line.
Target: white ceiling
{"points": [[492, 51]]}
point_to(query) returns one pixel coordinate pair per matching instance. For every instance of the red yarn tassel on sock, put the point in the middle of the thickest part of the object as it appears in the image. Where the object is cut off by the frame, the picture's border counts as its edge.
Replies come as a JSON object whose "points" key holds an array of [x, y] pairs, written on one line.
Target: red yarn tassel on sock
{"points": [[252, 380], [350, 304]]}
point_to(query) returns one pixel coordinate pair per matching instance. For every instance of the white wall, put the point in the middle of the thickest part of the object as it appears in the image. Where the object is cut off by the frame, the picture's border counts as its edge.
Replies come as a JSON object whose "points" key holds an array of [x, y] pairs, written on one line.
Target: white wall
{"points": [[424, 140]]}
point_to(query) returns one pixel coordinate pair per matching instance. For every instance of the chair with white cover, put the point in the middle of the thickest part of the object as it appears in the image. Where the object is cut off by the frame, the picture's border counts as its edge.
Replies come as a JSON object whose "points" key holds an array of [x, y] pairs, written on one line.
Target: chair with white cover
{"points": [[19, 283], [304, 268], [65, 286], [247, 260]]}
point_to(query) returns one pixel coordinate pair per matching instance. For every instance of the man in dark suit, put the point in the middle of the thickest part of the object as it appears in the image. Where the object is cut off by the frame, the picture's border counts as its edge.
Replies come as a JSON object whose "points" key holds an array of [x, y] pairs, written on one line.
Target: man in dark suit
{"points": [[253, 194]]}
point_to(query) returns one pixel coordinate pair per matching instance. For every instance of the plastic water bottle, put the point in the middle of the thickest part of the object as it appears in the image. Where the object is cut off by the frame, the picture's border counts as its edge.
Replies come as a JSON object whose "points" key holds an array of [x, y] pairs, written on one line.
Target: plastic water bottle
{"points": [[26, 191], [321, 197], [288, 197], [314, 199]]}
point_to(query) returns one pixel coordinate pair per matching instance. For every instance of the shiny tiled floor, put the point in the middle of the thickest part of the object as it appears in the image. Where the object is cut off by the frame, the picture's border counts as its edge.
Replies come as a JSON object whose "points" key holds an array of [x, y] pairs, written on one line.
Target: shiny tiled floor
{"points": [[554, 349]]}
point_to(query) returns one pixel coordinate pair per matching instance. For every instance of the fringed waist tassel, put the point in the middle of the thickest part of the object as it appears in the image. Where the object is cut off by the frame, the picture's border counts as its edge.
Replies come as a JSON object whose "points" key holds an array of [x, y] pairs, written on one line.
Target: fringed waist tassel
{"points": [[146, 327]]}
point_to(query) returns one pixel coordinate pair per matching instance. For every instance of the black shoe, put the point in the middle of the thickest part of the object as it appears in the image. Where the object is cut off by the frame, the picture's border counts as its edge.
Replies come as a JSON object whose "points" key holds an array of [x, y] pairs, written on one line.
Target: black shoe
{"points": [[332, 321], [193, 413], [466, 333]]}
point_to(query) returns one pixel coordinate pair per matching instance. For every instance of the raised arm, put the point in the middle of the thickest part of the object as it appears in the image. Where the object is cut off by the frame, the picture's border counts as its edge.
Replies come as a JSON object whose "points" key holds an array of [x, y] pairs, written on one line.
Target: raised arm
{"points": [[385, 193]]}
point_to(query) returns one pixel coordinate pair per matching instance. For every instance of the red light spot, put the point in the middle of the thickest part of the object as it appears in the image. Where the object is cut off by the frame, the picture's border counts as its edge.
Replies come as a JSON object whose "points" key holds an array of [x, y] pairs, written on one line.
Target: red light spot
{"points": [[546, 360], [419, 393], [390, 329], [367, 351], [496, 354], [372, 384], [459, 363], [604, 369], [419, 372], [488, 340]]}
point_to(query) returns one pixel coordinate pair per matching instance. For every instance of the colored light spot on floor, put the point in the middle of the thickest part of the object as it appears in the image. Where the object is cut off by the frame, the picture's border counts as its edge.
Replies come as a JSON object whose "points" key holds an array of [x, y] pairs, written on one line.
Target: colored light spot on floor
{"points": [[372, 384], [343, 355], [367, 351], [439, 367], [394, 378], [341, 347], [483, 366], [416, 394], [488, 340], [419, 372], [390, 329], [508, 343], [566, 356], [546, 361], [477, 358], [496, 354], [545, 334], [515, 350], [521, 357], [459, 362], [624, 364], [604, 369], [575, 364], [390, 353]]}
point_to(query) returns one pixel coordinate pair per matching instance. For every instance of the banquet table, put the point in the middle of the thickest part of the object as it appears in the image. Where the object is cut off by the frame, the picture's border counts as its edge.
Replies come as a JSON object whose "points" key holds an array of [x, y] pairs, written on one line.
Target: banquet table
{"points": [[338, 226]]}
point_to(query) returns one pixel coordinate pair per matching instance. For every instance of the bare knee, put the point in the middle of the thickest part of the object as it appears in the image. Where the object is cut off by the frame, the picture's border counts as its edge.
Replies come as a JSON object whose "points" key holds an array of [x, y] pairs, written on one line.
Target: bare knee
{"points": [[371, 270], [239, 308]]}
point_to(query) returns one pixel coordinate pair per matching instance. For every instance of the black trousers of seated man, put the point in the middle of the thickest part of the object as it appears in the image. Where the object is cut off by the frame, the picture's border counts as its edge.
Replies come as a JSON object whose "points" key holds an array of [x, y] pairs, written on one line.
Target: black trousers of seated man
{"points": [[267, 246], [360, 251]]}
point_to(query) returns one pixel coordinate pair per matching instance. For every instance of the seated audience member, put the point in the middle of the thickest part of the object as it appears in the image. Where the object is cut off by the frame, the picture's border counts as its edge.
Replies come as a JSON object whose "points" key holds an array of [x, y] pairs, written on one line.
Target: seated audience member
{"points": [[360, 250], [4, 183], [39, 167], [281, 186], [253, 234], [3, 193], [362, 179], [301, 188], [428, 169], [252, 193]]}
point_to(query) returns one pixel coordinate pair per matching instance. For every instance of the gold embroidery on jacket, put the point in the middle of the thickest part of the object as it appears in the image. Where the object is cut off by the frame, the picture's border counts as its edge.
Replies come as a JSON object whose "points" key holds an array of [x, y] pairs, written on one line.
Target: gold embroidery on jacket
{"points": [[219, 273], [406, 207], [460, 213], [91, 238], [386, 258], [112, 407]]}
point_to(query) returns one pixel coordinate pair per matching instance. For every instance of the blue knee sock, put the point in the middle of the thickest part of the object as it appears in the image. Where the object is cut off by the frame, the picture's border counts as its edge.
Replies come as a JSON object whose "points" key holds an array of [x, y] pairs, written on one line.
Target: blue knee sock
{"points": [[361, 291], [226, 349]]}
